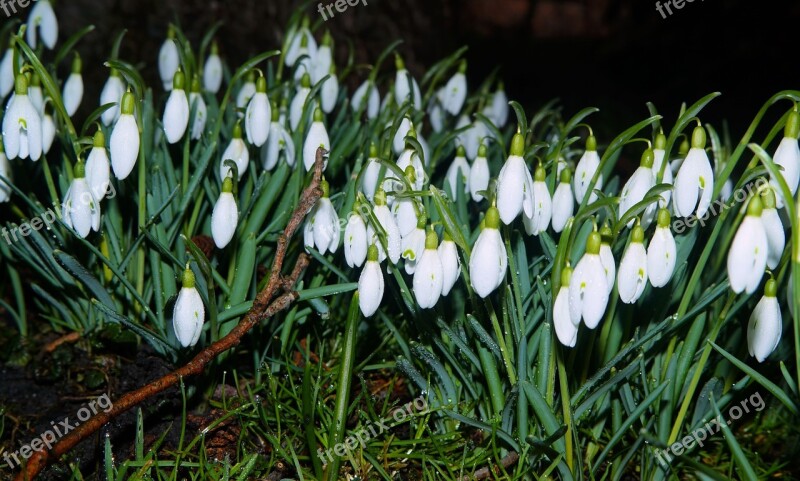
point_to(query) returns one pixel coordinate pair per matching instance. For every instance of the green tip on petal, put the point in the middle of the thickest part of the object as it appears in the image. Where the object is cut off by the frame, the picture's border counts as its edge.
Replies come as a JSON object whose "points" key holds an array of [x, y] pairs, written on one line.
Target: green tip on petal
{"points": [[462, 67], [539, 175], [327, 39], [461, 151], [411, 174], [593, 243], [237, 130], [214, 48], [113, 73], [128, 103], [699, 138], [178, 80], [251, 76], [372, 253], [227, 184], [771, 288], [261, 85], [305, 81], [317, 115], [35, 80], [99, 139], [326, 188], [755, 207], [492, 218], [380, 197], [196, 87], [171, 32], [446, 236], [518, 145], [591, 143], [398, 62], [637, 235], [768, 197], [188, 281], [21, 85], [792, 129], [648, 157], [276, 114], [606, 235], [663, 218], [661, 141], [80, 170], [684, 148], [422, 220], [77, 63], [303, 42], [373, 150], [482, 151], [566, 175], [431, 240], [566, 275]]}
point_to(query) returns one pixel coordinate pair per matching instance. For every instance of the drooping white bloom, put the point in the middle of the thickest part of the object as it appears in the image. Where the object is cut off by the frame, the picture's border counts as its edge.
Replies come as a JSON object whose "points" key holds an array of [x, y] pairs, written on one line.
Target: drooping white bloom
{"points": [[297, 38], [479, 175], [471, 139], [640, 183], [98, 168], [355, 240], [168, 59], [766, 324], [80, 210], [662, 252], [458, 170], [542, 205], [225, 216], [279, 140], [370, 284], [399, 139], [412, 245], [563, 201], [566, 330], [429, 274], [322, 61], [176, 112], [659, 155], [389, 227], [588, 288], [237, 152], [499, 107], [112, 93], [436, 113], [514, 184], [298, 102], [366, 97], [489, 260], [747, 257], [322, 224], [36, 94], [405, 211], [212, 70], [372, 173], [585, 170], [73, 88], [607, 257], [773, 226], [7, 73], [329, 92], [410, 157], [124, 143], [42, 20], [189, 312], [632, 277], [246, 92], [259, 115], [22, 125], [694, 184], [787, 157], [48, 133], [451, 264], [7, 173], [405, 86], [197, 104], [305, 57], [317, 137], [455, 92]]}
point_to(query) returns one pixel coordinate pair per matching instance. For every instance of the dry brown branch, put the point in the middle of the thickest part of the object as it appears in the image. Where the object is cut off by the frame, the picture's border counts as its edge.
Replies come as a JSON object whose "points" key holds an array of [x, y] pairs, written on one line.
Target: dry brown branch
{"points": [[486, 472]]}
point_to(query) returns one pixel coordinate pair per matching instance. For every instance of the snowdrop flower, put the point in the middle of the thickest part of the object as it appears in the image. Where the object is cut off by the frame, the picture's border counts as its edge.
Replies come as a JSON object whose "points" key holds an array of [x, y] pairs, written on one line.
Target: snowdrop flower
{"points": [[489, 260], [766, 324], [563, 201], [298, 102], [98, 168], [436, 113], [410, 157], [399, 139], [35, 93], [237, 152], [22, 126], [497, 111], [455, 92], [479, 175], [278, 141], [429, 275], [317, 137], [659, 154], [168, 59], [246, 92], [683, 151], [514, 184], [585, 170], [405, 87], [451, 264], [472, 138], [304, 64], [588, 288], [787, 156], [323, 59], [322, 224], [42, 20], [176, 112], [389, 227], [695, 179], [225, 216], [405, 210], [747, 258], [458, 170], [212, 70], [259, 115], [607, 257], [412, 245], [112, 93], [7, 72], [637, 187], [372, 173], [542, 205], [197, 104], [366, 98], [48, 132], [6, 172], [566, 331], [355, 239], [189, 312], [124, 144], [632, 277], [662, 252], [297, 38], [80, 210], [329, 92], [370, 284], [773, 226], [73, 87]]}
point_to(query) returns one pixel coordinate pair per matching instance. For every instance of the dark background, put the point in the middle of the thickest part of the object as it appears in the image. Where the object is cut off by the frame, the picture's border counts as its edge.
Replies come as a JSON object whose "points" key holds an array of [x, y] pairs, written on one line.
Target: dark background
{"points": [[612, 54]]}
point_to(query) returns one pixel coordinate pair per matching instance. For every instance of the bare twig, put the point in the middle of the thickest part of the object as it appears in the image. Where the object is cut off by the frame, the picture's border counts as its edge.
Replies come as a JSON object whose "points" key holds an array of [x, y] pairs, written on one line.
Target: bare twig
{"points": [[265, 305], [486, 472]]}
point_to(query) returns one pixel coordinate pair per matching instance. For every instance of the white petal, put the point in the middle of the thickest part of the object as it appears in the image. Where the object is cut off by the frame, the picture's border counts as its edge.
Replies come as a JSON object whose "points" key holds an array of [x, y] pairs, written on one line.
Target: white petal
{"points": [[542, 210], [42, 18], [355, 241], [257, 119], [212, 73], [188, 316], [413, 245], [237, 152], [566, 331], [764, 329], [124, 146], [82, 204], [609, 265], [370, 288], [296, 107], [632, 273], [787, 156], [112, 93], [73, 93], [168, 62], [487, 266], [5, 171], [405, 215], [98, 171], [48, 133], [7, 73], [387, 222], [197, 103], [399, 139], [584, 171], [428, 279], [776, 238], [563, 206], [661, 257], [455, 93], [634, 190], [329, 93], [176, 115], [326, 226], [224, 219], [451, 265], [510, 189], [479, 178], [747, 258], [317, 137], [695, 179], [370, 178], [458, 169], [588, 291]]}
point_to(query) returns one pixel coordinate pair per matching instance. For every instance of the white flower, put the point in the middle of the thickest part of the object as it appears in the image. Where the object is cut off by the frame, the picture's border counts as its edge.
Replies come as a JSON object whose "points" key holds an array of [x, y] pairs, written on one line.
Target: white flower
{"points": [[607, 257], [412, 245], [80, 210], [766, 324], [168, 59], [479, 175], [566, 330], [429, 274], [514, 184], [279, 140], [472, 137], [298, 102], [189, 312], [542, 205], [436, 114], [632, 277], [405, 214], [773, 226], [42, 19], [73, 88], [787, 157], [695, 179], [246, 92], [389, 226], [124, 143], [35, 94], [212, 70], [317, 137], [489, 260], [659, 155], [176, 112], [322, 61], [7, 73], [298, 38], [585, 171], [372, 172], [197, 103], [370, 284], [355, 240], [225, 216], [98, 168], [112, 93], [409, 157], [458, 170], [662, 252], [322, 225], [7, 173], [640, 183], [399, 139], [747, 257], [588, 289], [48, 133], [329, 93], [451, 264], [367, 97], [259, 114], [499, 107], [22, 126], [405, 87], [563, 201], [455, 92], [237, 152]]}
